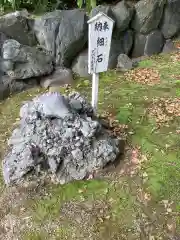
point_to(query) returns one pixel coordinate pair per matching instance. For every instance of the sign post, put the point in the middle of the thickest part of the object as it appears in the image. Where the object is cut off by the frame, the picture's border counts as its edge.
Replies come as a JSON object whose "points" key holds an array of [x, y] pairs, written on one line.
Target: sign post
{"points": [[100, 33]]}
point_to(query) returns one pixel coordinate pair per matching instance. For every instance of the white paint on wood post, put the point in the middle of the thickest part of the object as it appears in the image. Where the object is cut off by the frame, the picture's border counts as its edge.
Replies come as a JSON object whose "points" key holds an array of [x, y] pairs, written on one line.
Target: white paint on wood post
{"points": [[95, 84], [100, 33]]}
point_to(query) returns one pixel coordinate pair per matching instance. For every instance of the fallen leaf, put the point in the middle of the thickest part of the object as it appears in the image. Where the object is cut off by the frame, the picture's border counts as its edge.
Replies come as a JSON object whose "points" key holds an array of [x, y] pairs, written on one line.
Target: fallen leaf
{"points": [[175, 57], [151, 237], [147, 76], [164, 109], [134, 157], [145, 175], [171, 226], [101, 220], [82, 198], [166, 203], [80, 191], [147, 196], [169, 210]]}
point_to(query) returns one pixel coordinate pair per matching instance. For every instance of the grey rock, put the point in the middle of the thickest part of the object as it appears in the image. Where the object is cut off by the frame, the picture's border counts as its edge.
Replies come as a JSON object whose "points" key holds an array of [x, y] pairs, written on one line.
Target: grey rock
{"points": [[75, 104], [62, 33], [86, 129], [127, 41], [169, 46], [77, 154], [52, 105], [102, 8], [53, 165], [68, 148], [16, 138], [154, 43], [69, 133], [11, 51], [147, 44], [3, 38], [72, 36], [15, 25], [28, 113], [148, 15], [59, 77], [139, 45], [178, 36], [17, 163], [123, 14], [120, 44], [6, 65], [115, 50], [46, 29], [19, 86], [4, 87], [80, 64], [26, 61], [9, 86], [86, 106], [124, 63], [170, 23]]}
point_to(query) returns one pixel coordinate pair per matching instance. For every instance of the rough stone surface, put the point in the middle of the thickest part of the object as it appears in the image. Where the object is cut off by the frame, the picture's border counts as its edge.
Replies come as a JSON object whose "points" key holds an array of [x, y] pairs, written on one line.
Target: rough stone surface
{"points": [[169, 46], [59, 77], [9, 86], [3, 38], [62, 33], [80, 64], [15, 25], [139, 45], [59, 137], [22, 13], [5, 65], [121, 43], [171, 19], [26, 61], [116, 49], [154, 43], [124, 63], [148, 15], [147, 44], [178, 36], [127, 38], [102, 8], [123, 14], [4, 87]]}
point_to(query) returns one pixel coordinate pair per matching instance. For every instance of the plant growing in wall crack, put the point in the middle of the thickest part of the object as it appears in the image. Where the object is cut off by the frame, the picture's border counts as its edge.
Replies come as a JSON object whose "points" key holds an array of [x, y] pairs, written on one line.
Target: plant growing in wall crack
{"points": [[88, 3]]}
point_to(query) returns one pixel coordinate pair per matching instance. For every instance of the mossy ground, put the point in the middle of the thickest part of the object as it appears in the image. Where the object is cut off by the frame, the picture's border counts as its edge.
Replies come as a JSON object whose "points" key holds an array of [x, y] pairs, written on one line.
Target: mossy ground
{"points": [[138, 200]]}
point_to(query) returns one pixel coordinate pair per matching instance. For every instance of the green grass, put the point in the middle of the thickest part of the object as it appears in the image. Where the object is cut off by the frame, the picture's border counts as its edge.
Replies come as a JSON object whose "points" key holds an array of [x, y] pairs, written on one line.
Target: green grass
{"points": [[129, 102], [49, 207], [32, 235]]}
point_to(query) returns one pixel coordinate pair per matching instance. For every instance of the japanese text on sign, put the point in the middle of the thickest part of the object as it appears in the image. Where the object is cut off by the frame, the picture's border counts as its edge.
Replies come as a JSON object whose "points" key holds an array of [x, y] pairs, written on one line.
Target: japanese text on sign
{"points": [[100, 31], [99, 26]]}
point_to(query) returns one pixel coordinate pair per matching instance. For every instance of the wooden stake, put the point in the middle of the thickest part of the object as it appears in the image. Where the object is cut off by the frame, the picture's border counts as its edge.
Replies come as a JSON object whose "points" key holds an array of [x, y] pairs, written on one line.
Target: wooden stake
{"points": [[95, 86]]}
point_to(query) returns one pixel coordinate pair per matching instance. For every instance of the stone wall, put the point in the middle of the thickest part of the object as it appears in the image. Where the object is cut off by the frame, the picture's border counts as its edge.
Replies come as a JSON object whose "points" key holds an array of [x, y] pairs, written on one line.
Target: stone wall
{"points": [[44, 50], [141, 29]]}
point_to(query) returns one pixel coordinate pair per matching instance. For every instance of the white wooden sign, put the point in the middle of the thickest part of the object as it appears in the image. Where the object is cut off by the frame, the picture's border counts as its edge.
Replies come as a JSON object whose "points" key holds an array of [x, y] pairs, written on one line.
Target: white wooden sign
{"points": [[100, 33]]}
